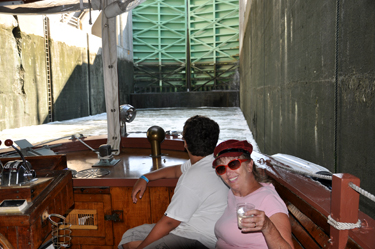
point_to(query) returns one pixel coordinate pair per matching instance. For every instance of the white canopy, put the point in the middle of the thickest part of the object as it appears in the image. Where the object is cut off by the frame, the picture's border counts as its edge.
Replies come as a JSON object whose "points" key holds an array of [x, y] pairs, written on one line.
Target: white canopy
{"points": [[45, 7]]}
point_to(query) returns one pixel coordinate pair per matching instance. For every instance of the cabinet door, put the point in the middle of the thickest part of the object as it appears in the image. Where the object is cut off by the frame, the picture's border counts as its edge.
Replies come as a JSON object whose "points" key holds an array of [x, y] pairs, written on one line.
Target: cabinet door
{"points": [[149, 209], [88, 220]]}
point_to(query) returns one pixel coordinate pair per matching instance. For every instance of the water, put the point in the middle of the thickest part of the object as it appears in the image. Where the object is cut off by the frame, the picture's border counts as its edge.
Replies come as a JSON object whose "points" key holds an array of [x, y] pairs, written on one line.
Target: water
{"points": [[230, 119]]}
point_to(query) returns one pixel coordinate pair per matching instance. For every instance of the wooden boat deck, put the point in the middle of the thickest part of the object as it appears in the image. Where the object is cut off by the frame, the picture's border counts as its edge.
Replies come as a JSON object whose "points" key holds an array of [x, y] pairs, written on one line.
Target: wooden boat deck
{"points": [[309, 202], [133, 163]]}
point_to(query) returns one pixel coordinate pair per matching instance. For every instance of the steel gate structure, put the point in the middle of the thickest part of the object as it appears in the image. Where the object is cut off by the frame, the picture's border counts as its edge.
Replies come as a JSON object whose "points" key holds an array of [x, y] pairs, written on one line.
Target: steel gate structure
{"points": [[185, 45]]}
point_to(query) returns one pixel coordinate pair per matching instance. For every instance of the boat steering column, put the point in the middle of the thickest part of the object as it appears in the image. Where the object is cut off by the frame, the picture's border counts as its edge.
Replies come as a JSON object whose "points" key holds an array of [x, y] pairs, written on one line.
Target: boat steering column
{"points": [[18, 171]]}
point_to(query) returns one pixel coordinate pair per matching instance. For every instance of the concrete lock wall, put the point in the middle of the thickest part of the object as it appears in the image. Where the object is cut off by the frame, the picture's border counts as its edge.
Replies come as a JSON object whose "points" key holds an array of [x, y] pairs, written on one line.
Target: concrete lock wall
{"points": [[186, 99], [18, 81], [289, 77], [76, 70]]}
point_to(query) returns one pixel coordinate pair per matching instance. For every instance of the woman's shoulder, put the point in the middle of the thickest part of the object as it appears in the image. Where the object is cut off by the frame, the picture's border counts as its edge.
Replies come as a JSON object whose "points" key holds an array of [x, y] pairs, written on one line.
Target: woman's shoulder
{"points": [[266, 193], [271, 201], [268, 187]]}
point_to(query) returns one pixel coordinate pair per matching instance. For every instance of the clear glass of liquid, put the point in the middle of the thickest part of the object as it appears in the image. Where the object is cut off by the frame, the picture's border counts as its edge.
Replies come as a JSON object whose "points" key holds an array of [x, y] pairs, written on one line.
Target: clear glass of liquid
{"points": [[242, 208]]}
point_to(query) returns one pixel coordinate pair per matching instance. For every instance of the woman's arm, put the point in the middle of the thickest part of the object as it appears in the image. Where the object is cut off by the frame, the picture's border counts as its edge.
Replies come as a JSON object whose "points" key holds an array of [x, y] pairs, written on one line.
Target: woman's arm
{"points": [[276, 229], [278, 232]]}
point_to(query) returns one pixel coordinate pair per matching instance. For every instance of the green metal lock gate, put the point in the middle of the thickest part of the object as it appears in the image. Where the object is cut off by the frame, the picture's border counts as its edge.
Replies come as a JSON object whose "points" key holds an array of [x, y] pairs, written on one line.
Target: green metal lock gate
{"points": [[185, 46]]}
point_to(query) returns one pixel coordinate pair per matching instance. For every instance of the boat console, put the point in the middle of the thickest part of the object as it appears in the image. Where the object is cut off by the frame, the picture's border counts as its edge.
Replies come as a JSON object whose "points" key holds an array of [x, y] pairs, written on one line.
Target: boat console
{"points": [[32, 200]]}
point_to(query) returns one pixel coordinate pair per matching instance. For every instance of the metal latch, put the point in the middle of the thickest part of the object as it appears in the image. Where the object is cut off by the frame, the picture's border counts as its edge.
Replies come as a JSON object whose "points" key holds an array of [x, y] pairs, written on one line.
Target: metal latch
{"points": [[116, 216]]}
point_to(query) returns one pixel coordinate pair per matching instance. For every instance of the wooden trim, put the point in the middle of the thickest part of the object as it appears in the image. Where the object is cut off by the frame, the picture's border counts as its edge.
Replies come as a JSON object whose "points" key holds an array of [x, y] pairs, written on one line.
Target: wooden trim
{"points": [[302, 235], [4, 242], [288, 196], [131, 141], [296, 243], [344, 206], [159, 200], [120, 182], [316, 233]]}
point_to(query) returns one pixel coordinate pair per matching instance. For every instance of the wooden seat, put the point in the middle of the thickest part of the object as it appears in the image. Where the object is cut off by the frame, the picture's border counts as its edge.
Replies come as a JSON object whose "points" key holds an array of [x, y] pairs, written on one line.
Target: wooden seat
{"points": [[308, 219]]}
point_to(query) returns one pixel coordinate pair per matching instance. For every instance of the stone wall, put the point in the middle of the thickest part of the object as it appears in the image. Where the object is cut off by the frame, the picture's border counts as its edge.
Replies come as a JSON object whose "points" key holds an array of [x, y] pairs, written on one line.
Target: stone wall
{"points": [[22, 76], [76, 71], [290, 77]]}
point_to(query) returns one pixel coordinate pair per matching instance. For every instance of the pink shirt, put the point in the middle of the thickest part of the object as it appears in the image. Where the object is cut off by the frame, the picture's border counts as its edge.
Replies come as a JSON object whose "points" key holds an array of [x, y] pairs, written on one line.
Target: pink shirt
{"points": [[226, 230]]}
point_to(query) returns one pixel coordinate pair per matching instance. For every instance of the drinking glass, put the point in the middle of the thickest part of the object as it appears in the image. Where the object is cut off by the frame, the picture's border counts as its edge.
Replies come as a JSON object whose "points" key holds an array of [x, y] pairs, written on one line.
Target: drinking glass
{"points": [[242, 208]]}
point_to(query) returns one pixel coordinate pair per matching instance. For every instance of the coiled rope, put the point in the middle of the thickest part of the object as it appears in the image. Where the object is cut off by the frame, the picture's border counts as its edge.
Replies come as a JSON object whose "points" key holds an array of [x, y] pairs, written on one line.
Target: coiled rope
{"points": [[343, 225]]}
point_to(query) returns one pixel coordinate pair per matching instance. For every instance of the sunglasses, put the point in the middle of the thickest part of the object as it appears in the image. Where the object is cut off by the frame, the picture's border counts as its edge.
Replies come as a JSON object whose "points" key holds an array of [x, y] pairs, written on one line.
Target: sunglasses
{"points": [[234, 164]]}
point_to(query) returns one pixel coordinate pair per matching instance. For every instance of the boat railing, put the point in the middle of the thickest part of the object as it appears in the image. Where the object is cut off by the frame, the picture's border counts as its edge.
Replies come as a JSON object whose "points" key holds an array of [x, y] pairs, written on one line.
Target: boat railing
{"points": [[326, 177], [342, 214]]}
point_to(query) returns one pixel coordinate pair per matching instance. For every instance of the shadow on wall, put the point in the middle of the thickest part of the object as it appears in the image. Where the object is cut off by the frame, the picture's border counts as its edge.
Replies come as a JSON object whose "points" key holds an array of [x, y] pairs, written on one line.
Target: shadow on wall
{"points": [[83, 93]]}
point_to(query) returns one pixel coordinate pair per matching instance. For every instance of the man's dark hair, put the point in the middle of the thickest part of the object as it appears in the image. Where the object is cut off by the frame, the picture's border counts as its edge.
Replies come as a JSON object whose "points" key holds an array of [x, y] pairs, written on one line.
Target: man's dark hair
{"points": [[201, 135]]}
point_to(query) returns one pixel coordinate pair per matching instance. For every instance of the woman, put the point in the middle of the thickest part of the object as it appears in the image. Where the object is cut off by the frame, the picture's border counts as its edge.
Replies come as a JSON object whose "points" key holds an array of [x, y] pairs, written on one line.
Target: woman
{"points": [[269, 226]]}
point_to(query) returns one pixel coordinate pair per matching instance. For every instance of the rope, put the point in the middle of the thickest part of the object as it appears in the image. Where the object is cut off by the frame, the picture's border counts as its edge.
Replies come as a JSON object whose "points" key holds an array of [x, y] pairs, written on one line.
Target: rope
{"points": [[362, 191], [343, 225], [352, 185]]}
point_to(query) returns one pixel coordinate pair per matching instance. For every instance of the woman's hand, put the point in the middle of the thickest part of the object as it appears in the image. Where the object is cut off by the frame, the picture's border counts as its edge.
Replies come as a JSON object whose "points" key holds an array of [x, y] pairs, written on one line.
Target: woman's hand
{"points": [[258, 222], [140, 186]]}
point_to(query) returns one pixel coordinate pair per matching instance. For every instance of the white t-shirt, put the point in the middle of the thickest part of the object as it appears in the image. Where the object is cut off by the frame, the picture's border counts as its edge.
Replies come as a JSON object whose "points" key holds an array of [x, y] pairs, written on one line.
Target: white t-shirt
{"points": [[199, 200]]}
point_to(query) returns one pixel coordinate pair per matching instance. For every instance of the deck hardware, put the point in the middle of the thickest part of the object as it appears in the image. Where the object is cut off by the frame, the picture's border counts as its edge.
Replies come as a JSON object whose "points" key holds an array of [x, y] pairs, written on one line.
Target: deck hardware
{"points": [[365, 228], [92, 173], [156, 163], [105, 156], [127, 115], [18, 171], [116, 216], [44, 218], [155, 135], [61, 232], [104, 153]]}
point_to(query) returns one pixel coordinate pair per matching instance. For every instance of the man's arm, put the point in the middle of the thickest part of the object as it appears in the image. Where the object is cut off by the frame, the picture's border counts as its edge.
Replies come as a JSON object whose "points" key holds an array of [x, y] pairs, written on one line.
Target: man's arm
{"points": [[161, 229], [167, 172], [141, 184]]}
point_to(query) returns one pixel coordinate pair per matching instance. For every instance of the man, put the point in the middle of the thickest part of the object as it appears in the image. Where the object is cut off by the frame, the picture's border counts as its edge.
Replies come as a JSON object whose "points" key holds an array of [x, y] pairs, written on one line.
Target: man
{"points": [[199, 198]]}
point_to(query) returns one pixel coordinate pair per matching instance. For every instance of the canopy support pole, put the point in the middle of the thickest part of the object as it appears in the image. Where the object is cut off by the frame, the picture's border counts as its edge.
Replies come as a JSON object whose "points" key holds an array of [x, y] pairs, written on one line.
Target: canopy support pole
{"points": [[109, 45]]}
